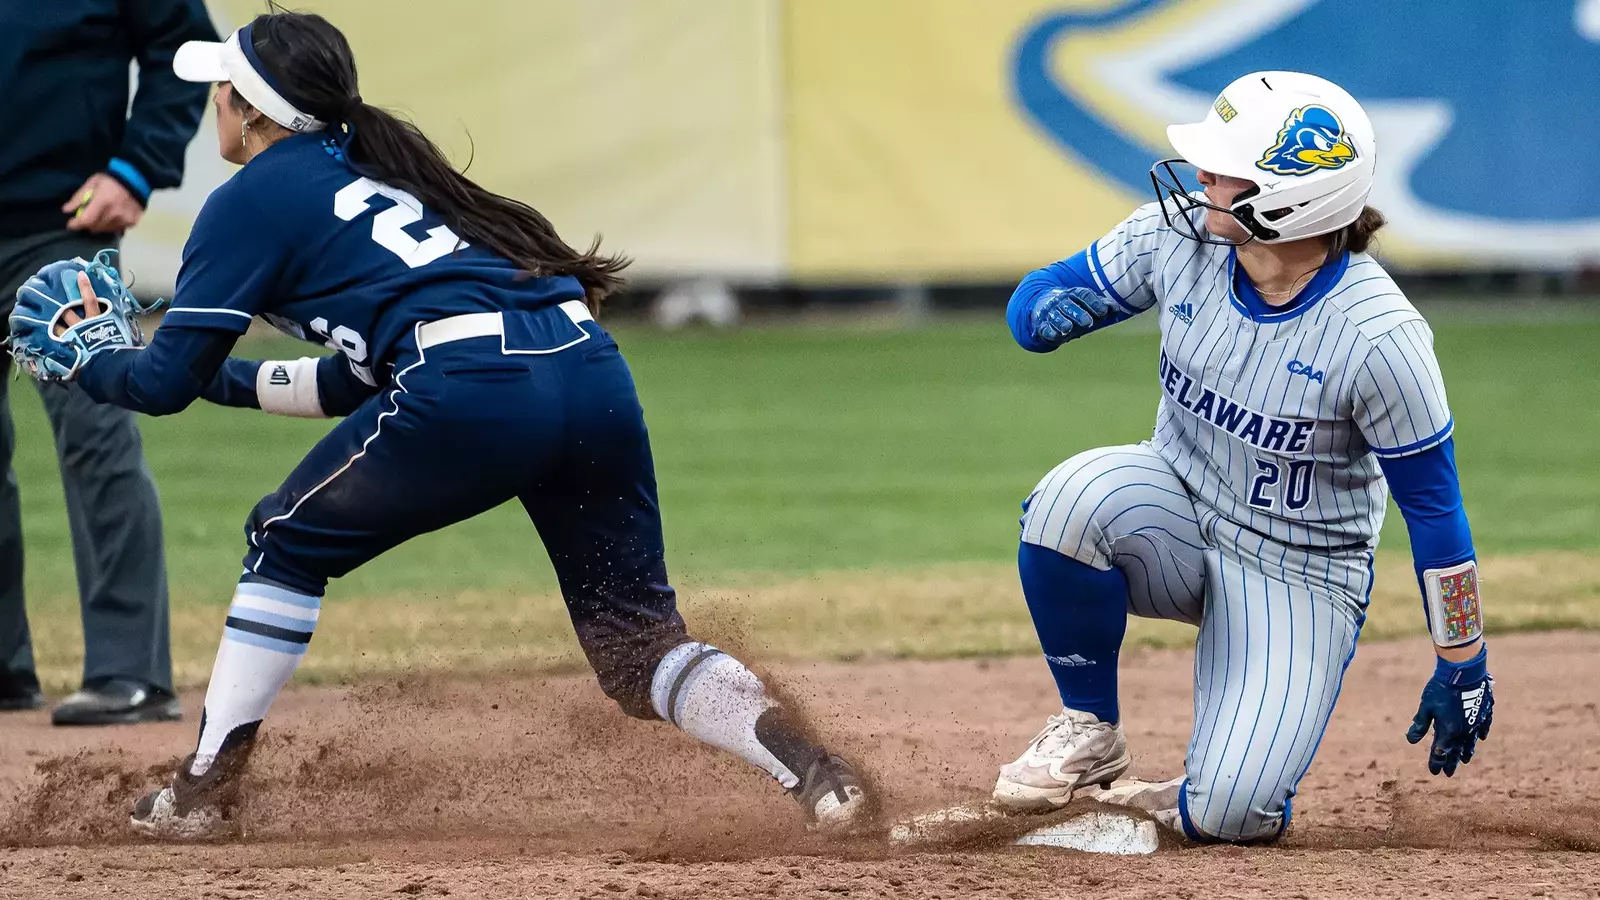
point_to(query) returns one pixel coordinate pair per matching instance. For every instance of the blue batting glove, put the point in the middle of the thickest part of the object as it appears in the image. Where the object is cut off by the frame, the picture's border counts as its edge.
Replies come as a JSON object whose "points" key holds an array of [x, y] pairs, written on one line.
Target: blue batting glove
{"points": [[1061, 314], [1458, 702]]}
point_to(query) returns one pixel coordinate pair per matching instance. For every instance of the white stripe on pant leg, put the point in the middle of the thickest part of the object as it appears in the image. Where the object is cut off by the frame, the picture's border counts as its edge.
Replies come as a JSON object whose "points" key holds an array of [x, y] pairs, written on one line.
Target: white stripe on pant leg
{"points": [[394, 398]]}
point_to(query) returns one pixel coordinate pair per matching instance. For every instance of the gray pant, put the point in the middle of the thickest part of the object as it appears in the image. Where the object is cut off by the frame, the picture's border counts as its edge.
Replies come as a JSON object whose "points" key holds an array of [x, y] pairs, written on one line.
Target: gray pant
{"points": [[111, 507]]}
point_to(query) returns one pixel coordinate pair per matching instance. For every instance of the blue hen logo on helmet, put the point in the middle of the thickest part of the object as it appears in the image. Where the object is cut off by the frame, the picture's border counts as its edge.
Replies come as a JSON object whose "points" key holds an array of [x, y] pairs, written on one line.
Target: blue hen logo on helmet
{"points": [[1311, 140]]}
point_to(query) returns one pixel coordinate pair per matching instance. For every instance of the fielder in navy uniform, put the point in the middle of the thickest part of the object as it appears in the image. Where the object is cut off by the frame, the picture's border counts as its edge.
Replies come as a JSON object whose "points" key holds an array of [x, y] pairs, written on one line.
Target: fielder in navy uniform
{"points": [[1299, 389], [469, 371]]}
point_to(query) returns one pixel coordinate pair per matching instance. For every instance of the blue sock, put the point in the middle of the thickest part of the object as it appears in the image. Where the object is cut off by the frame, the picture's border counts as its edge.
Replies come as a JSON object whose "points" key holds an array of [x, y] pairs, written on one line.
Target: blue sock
{"points": [[1081, 615]]}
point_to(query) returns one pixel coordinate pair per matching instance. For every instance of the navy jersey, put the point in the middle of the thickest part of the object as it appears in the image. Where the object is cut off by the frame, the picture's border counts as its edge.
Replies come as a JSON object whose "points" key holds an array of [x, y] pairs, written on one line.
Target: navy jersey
{"points": [[301, 239]]}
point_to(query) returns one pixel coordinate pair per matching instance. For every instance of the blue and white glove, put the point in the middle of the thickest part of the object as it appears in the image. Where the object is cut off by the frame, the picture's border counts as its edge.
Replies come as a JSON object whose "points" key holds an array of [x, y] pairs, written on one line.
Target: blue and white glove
{"points": [[55, 328], [1458, 702], [1061, 314]]}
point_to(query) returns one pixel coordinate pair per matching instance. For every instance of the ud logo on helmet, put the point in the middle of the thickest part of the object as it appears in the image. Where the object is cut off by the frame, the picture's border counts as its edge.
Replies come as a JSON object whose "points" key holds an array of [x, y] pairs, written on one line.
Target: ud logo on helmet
{"points": [[1312, 139]]}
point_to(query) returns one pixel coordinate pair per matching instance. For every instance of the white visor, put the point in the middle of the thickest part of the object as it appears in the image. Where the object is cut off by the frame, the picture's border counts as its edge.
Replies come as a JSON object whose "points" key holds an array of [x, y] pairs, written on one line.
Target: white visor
{"points": [[210, 61]]}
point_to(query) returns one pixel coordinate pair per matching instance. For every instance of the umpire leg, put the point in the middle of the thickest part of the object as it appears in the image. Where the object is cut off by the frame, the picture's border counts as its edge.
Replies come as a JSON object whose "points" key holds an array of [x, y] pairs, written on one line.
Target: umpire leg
{"points": [[117, 548], [115, 521], [19, 686]]}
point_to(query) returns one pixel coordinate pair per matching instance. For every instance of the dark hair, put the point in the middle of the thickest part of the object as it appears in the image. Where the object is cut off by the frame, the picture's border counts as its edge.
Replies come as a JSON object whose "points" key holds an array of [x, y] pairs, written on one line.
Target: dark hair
{"points": [[313, 64], [1357, 236]]}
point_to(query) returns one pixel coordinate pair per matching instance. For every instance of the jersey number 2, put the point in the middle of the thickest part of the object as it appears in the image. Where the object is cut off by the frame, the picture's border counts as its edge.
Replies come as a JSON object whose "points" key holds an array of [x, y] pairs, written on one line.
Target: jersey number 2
{"points": [[388, 227], [1296, 493]]}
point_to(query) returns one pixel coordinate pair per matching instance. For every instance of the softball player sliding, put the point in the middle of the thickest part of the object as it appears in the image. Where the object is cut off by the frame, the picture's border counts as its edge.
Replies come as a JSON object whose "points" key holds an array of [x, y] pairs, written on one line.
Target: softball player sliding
{"points": [[469, 372], [1299, 388]]}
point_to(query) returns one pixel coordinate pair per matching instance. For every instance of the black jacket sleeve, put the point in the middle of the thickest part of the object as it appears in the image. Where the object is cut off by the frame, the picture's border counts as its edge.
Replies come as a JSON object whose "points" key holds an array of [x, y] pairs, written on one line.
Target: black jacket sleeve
{"points": [[166, 110]]}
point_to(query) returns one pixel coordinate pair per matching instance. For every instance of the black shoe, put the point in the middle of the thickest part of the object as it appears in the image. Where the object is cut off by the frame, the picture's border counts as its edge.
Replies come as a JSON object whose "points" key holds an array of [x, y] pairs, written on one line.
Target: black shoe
{"points": [[16, 698], [117, 701]]}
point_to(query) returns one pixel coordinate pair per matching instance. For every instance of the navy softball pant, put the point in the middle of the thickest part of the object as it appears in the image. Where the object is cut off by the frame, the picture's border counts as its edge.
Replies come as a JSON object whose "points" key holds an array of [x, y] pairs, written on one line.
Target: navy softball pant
{"points": [[545, 412]]}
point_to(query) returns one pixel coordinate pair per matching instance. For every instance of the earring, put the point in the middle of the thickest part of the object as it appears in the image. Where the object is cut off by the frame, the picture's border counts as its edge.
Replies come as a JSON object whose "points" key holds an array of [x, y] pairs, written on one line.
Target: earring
{"points": [[244, 131]]}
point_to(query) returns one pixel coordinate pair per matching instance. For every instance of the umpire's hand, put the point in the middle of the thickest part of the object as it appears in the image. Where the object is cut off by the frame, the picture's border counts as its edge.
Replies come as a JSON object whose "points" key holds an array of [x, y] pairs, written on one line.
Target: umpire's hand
{"points": [[107, 207]]}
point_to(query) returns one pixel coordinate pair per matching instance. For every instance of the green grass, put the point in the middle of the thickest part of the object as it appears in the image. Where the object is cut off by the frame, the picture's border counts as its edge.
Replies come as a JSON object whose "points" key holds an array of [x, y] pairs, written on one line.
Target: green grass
{"points": [[788, 451]]}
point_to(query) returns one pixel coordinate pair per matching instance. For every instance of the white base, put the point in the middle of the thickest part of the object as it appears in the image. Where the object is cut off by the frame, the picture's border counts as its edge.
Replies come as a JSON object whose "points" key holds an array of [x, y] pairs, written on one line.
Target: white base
{"points": [[1096, 831]]}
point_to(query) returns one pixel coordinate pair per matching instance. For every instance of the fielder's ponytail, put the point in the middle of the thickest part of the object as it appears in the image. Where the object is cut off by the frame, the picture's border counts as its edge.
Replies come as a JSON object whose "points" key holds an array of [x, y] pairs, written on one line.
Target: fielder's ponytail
{"points": [[313, 62]]}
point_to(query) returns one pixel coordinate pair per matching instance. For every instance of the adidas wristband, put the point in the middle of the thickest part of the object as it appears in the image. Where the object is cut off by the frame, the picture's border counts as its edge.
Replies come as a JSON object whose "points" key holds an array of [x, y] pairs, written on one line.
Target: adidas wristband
{"points": [[289, 388]]}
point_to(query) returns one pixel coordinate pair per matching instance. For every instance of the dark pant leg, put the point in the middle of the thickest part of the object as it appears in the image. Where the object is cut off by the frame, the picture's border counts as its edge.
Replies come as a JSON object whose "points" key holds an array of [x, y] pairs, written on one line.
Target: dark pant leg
{"points": [[113, 511], [601, 524], [146, 635], [117, 544], [16, 649], [457, 437]]}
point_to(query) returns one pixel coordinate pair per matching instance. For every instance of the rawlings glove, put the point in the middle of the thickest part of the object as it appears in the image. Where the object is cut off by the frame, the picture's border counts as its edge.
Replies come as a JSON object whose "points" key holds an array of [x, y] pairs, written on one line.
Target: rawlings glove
{"points": [[1061, 314], [55, 329], [1459, 703]]}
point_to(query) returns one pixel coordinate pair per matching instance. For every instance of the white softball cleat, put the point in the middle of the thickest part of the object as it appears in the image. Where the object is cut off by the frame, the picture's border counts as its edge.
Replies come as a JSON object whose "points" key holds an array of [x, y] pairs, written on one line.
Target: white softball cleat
{"points": [[1158, 798], [1074, 751]]}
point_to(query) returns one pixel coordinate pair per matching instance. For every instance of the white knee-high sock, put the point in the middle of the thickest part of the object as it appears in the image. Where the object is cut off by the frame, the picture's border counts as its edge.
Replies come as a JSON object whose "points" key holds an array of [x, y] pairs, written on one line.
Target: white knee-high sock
{"points": [[266, 634], [712, 697]]}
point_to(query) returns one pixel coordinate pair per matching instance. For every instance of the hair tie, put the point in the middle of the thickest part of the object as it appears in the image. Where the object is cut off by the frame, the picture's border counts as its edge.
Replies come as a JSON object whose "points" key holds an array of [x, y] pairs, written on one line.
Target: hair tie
{"points": [[353, 104]]}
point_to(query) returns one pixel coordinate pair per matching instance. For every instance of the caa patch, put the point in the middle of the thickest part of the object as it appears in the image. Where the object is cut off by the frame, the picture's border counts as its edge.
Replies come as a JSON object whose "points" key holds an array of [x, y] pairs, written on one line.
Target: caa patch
{"points": [[1312, 139], [1296, 367]]}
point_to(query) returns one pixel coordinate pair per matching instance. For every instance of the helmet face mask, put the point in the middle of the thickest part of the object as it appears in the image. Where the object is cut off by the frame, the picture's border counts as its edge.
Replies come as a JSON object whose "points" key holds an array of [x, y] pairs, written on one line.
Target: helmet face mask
{"points": [[1306, 145], [1179, 202]]}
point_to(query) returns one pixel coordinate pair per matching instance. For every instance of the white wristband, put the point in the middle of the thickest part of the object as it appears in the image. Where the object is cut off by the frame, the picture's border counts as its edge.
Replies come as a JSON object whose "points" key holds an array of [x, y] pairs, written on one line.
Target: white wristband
{"points": [[1451, 598], [289, 388]]}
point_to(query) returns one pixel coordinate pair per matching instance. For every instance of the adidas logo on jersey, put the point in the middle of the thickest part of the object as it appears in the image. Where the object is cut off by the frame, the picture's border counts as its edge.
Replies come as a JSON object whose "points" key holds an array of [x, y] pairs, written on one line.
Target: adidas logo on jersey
{"points": [[1296, 367], [1073, 660], [1184, 312]]}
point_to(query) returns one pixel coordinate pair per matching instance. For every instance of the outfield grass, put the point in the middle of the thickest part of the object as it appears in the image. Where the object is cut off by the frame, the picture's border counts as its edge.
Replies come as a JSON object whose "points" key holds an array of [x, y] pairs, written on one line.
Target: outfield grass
{"points": [[811, 468]]}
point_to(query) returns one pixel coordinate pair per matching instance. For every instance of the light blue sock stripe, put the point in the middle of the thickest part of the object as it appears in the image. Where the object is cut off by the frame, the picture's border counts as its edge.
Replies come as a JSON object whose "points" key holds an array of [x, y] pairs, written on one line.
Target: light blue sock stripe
{"points": [[266, 618], [265, 643], [282, 595]]}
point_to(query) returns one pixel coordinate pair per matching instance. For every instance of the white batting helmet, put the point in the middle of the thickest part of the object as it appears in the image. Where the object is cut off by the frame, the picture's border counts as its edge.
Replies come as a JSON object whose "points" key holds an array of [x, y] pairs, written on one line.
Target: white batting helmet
{"points": [[1305, 142]]}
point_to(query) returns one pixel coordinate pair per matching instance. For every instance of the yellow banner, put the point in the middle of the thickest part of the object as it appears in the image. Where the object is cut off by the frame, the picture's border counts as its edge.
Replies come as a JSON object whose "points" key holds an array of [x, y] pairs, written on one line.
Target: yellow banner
{"points": [[653, 124], [950, 140], [908, 159], [945, 139]]}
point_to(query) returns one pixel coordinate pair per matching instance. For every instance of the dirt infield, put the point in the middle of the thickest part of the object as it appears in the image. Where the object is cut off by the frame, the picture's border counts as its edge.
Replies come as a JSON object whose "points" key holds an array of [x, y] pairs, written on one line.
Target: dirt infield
{"points": [[536, 788]]}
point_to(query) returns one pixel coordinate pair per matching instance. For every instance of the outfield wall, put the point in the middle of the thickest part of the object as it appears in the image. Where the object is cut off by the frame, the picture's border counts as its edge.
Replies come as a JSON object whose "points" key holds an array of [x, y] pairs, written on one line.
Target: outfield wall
{"points": [[851, 141]]}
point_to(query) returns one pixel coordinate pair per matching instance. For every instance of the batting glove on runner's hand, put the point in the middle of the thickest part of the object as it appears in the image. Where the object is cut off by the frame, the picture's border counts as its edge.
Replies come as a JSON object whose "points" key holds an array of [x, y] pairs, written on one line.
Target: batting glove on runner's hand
{"points": [[1061, 314], [56, 326], [1458, 702]]}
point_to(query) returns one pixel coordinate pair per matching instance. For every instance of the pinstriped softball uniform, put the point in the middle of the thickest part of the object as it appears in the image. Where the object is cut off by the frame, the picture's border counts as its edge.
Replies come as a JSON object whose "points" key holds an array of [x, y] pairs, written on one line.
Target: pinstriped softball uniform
{"points": [[1270, 422], [1254, 508], [1277, 623]]}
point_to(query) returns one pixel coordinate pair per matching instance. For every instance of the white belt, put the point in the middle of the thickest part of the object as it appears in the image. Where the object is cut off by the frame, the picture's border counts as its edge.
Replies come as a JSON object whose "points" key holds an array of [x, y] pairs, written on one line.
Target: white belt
{"points": [[487, 324]]}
